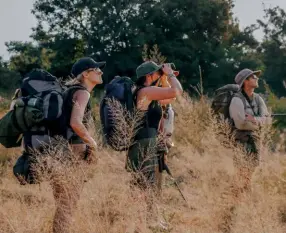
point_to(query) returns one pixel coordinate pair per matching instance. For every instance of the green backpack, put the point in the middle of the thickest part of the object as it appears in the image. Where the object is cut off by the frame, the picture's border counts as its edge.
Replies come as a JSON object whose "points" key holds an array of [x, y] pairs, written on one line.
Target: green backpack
{"points": [[222, 99], [38, 112], [19, 120]]}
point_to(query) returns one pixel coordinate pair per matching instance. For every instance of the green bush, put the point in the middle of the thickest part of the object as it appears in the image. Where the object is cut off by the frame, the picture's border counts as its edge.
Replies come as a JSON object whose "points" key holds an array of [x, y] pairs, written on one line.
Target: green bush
{"points": [[4, 105], [9, 81], [277, 105]]}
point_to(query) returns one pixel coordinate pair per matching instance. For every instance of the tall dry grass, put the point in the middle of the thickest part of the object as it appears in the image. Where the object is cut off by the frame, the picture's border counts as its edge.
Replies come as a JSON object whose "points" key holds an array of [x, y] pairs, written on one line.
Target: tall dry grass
{"points": [[204, 166]]}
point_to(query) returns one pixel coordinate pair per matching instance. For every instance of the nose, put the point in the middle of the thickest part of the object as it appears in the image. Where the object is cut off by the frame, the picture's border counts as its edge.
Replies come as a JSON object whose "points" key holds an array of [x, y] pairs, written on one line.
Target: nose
{"points": [[99, 71]]}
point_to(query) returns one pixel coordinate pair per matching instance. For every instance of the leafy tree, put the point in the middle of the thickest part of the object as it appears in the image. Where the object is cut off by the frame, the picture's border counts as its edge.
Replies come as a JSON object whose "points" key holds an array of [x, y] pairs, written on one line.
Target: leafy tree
{"points": [[25, 53], [274, 48], [190, 33], [9, 80]]}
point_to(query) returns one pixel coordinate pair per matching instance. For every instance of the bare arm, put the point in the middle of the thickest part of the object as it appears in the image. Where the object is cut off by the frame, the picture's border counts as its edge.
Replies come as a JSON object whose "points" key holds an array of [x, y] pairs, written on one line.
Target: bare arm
{"points": [[167, 101], [81, 99], [160, 93], [164, 83]]}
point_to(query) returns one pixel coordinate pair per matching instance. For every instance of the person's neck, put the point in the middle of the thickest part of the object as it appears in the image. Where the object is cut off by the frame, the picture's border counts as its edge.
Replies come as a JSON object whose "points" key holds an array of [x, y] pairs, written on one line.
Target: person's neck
{"points": [[249, 91], [89, 86]]}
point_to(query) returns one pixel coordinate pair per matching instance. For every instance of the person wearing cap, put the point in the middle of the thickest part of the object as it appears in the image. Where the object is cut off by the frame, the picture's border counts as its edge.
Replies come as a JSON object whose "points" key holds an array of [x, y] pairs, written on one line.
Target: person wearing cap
{"points": [[248, 111], [142, 157], [86, 74]]}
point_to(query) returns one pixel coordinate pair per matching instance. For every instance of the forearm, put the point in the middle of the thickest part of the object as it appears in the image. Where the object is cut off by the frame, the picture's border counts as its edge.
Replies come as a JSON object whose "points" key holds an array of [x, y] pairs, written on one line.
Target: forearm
{"points": [[83, 133], [264, 120], [245, 125], [238, 115], [241, 123], [174, 83]]}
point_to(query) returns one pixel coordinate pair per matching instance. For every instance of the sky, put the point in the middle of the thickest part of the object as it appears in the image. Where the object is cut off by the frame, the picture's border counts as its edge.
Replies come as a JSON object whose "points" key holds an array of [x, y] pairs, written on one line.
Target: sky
{"points": [[16, 19]]}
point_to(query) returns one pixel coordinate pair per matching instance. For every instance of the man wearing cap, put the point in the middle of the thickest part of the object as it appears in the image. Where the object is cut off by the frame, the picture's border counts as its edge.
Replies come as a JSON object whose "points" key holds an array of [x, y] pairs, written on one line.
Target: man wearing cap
{"points": [[248, 111]]}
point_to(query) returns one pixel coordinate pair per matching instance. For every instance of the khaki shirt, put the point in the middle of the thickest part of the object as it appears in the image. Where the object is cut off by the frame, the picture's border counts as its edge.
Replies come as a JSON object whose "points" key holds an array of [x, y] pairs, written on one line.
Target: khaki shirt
{"points": [[238, 111]]}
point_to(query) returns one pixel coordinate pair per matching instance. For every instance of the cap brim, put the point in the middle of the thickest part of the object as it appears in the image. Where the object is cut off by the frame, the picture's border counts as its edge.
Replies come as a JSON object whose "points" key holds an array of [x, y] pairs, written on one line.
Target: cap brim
{"points": [[257, 72], [100, 65], [158, 68]]}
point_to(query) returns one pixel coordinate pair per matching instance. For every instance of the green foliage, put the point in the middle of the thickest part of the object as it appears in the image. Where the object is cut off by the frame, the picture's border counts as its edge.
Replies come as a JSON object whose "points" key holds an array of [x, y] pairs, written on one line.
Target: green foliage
{"points": [[9, 81], [4, 104], [276, 105], [190, 33], [274, 48], [203, 34]]}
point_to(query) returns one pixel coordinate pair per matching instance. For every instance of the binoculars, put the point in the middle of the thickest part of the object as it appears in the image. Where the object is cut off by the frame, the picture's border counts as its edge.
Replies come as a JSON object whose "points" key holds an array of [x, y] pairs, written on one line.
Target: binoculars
{"points": [[172, 65]]}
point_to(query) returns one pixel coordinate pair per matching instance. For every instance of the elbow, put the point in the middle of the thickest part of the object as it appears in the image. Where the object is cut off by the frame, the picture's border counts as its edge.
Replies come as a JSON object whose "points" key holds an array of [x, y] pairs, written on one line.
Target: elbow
{"points": [[176, 92], [179, 91]]}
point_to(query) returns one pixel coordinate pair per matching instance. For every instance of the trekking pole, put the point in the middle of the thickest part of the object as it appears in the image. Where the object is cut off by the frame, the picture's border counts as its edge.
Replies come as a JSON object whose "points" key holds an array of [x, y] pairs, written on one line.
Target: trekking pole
{"points": [[175, 182], [278, 114]]}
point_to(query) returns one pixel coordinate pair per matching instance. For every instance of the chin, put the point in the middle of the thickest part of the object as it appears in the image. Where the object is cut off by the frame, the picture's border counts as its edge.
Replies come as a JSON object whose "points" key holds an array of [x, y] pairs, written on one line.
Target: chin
{"points": [[99, 81]]}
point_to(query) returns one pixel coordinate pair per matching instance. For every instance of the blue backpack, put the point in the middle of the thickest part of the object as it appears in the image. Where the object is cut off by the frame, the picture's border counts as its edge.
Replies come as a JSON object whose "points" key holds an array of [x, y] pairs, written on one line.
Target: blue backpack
{"points": [[123, 90]]}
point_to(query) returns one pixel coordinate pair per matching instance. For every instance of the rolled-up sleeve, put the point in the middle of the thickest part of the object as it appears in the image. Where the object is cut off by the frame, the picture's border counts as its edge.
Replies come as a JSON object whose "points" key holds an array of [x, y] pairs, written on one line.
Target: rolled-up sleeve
{"points": [[237, 114]]}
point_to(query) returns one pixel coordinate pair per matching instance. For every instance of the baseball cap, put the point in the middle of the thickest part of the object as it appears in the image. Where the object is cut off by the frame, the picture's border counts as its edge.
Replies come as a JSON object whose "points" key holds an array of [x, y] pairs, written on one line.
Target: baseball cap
{"points": [[84, 64]]}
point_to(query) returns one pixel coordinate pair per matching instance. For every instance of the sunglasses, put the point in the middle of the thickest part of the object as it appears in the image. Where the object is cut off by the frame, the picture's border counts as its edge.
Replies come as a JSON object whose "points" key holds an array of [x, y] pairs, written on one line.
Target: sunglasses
{"points": [[253, 77], [97, 70]]}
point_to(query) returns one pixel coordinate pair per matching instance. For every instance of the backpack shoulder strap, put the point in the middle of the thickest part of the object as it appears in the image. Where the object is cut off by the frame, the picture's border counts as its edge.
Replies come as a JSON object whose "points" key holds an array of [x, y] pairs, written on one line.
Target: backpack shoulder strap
{"points": [[242, 97], [68, 98], [136, 93], [69, 92], [249, 101], [68, 102]]}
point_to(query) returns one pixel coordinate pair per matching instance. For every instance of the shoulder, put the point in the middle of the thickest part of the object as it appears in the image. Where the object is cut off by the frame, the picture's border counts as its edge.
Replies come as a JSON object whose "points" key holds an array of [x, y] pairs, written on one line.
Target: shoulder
{"points": [[258, 97], [151, 89], [142, 91], [237, 100], [81, 95], [239, 97]]}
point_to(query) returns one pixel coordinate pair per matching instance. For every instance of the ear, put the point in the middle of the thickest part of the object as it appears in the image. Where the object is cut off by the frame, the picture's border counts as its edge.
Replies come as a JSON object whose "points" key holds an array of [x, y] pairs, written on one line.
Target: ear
{"points": [[84, 74]]}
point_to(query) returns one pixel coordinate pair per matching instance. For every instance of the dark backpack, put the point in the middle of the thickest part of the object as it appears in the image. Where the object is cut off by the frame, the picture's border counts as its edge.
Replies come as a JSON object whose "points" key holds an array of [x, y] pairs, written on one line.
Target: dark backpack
{"points": [[18, 121], [37, 112], [121, 90], [41, 84], [222, 99], [23, 169]]}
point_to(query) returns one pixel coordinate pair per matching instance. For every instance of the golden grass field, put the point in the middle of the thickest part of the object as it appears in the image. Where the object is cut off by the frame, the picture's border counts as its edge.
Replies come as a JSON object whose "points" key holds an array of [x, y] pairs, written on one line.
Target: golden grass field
{"points": [[206, 173]]}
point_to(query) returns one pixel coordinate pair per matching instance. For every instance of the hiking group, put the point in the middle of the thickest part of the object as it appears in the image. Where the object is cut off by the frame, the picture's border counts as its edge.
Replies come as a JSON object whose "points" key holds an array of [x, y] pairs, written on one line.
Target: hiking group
{"points": [[43, 111]]}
